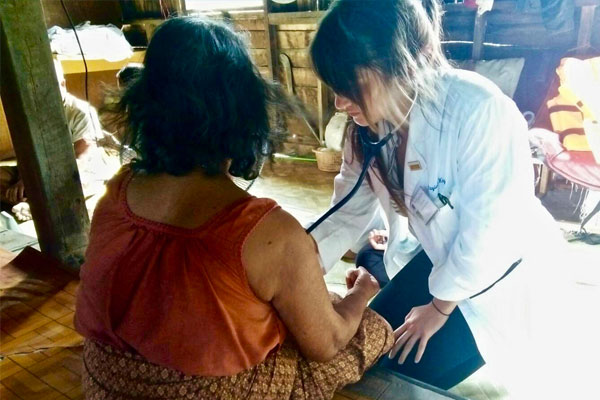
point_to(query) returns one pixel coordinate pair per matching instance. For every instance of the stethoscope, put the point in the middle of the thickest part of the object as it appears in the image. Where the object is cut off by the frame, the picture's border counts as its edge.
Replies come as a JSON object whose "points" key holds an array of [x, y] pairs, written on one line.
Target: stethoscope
{"points": [[370, 149]]}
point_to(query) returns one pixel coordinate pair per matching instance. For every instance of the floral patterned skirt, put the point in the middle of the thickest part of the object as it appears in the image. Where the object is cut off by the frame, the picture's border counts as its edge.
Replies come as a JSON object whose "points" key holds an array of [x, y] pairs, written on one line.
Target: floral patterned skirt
{"points": [[285, 374]]}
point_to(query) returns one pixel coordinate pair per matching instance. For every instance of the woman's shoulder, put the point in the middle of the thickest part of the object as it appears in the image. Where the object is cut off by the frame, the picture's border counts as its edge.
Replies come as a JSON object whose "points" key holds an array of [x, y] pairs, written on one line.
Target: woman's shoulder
{"points": [[470, 88], [279, 231], [249, 210], [460, 94], [116, 183], [466, 94]]}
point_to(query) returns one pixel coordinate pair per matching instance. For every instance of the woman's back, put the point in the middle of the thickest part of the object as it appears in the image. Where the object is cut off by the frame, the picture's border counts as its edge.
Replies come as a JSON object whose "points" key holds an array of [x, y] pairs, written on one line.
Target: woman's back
{"points": [[172, 286], [190, 285]]}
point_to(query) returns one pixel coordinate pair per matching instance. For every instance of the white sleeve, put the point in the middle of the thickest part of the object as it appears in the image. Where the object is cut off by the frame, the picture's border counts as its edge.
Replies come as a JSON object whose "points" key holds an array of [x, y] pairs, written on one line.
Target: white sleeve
{"points": [[338, 233], [494, 178], [83, 122]]}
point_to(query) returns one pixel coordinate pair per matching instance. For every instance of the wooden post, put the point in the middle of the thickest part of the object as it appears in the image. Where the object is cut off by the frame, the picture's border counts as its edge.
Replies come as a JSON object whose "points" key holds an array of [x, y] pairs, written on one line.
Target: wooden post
{"points": [[272, 59], [479, 35], [322, 110], [586, 28], [271, 38], [38, 127]]}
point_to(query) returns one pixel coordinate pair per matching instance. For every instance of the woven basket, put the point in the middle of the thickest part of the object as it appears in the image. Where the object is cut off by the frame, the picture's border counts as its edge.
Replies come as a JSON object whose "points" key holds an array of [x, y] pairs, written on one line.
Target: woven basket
{"points": [[328, 160]]}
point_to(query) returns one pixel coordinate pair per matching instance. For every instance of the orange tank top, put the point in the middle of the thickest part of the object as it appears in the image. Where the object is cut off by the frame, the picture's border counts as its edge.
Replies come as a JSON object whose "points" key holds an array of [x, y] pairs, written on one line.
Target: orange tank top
{"points": [[178, 297]]}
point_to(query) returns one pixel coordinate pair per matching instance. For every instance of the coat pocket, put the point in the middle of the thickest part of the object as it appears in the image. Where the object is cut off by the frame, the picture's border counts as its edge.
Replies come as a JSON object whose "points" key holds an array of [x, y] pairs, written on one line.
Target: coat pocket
{"points": [[444, 229]]}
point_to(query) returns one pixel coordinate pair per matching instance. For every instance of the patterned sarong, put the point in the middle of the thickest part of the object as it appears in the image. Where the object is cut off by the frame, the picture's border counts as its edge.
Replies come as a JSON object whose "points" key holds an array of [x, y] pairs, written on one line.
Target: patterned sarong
{"points": [[285, 374]]}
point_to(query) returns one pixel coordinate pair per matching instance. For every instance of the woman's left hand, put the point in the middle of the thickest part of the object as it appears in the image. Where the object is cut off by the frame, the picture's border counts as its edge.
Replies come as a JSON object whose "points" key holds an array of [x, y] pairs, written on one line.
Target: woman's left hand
{"points": [[420, 324]]}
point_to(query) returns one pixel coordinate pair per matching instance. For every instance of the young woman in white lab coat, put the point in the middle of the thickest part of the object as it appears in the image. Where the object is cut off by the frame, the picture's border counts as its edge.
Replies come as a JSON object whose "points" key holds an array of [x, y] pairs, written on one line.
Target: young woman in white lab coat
{"points": [[467, 236]]}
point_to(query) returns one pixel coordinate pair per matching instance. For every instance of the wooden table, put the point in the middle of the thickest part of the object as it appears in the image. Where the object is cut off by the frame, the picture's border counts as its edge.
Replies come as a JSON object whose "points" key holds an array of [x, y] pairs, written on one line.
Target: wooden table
{"points": [[74, 65]]}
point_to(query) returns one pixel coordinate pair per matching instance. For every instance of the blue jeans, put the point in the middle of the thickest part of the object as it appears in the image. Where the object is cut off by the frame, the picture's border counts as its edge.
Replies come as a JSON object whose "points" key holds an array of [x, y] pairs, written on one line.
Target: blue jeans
{"points": [[451, 354]]}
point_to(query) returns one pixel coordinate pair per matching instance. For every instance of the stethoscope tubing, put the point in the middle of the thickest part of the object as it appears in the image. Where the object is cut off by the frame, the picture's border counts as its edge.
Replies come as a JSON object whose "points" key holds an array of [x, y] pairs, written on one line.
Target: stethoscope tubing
{"points": [[370, 149]]}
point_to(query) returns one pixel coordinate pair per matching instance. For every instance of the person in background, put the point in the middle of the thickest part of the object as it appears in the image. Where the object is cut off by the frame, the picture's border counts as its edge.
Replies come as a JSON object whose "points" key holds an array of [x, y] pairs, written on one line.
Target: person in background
{"points": [[193, 287], [84, 127], [128, 73]]}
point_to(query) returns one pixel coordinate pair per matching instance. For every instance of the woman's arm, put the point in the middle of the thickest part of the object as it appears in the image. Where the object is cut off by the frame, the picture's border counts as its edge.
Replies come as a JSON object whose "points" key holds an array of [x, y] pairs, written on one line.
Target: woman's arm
{"points": [[282, 268]]}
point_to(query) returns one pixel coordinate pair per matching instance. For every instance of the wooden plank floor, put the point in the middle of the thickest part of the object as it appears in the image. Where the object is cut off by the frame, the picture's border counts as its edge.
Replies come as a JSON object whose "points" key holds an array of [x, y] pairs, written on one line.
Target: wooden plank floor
{"points": [[40, 352]]}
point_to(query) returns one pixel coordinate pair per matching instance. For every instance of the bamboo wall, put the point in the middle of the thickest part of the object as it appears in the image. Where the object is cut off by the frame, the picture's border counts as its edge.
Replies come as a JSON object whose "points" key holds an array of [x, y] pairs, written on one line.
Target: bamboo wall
{"points": [[293, 37]]}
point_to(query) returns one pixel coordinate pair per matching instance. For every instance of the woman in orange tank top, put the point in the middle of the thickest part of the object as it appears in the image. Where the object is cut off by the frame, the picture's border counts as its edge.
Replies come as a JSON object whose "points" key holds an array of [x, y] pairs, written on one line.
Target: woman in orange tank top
{"points": [[192, 288]]}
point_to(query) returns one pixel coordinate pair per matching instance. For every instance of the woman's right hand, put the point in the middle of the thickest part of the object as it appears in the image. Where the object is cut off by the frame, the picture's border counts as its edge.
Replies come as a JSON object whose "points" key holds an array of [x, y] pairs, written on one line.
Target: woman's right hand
{"points": [[378, 239], [359, 280]]}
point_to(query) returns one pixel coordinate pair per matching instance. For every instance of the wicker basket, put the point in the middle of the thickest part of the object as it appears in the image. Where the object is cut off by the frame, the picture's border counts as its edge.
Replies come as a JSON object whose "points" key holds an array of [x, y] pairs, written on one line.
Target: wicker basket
{"points": [[328, 160]]}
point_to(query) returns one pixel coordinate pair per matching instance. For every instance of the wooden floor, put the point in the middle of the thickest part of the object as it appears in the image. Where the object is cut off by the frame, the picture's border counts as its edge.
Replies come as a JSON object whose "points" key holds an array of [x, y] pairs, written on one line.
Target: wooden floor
{"points": [[39, 348]]}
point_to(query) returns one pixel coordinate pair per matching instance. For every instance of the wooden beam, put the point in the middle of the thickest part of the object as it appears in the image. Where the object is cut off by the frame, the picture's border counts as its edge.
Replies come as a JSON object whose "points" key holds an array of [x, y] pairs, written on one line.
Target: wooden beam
{"points": [[301, 17], [39, 132], [271, 40], [297, 27], [479, 34], [322, 109], [586, 26]]}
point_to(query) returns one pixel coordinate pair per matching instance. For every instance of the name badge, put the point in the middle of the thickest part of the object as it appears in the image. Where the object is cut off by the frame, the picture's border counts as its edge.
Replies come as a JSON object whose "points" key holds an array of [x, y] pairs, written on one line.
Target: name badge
{"points": [[414, 165], [423, 206]]}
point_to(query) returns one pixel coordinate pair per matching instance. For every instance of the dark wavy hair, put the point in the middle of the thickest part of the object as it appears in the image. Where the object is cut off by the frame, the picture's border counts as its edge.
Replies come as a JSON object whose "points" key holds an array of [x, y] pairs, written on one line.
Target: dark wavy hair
{"points": [[198, 102], [396, 43]]}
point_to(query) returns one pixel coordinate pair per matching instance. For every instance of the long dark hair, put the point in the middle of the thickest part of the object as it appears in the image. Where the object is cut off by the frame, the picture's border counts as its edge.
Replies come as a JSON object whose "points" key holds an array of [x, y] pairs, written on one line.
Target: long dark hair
{"points": [[199, 101], [395, 44]]}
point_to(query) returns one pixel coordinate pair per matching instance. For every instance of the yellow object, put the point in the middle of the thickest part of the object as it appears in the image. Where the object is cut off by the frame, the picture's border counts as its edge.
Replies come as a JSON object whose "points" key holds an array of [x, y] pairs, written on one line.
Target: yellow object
{"points": [[576, 142], [578, 101], [592, 132], [74, 65], [567, 94]]}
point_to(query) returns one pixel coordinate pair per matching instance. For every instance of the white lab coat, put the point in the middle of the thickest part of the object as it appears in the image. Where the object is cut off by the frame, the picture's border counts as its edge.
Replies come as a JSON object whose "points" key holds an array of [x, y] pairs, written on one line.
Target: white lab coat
{"points": [[470, 146]]}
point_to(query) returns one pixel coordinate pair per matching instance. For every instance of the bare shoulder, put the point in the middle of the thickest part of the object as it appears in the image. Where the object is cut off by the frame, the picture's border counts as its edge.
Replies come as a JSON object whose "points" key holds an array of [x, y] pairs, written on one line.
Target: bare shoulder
{"points": [[279, 230], [277, 247]]}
